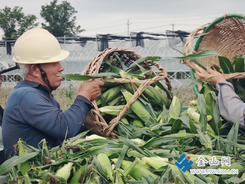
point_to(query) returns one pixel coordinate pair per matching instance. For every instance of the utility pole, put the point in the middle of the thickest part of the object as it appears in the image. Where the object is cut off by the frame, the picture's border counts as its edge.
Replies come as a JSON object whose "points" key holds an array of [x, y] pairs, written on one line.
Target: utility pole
{"points": [[128, 26], [172, 27]]}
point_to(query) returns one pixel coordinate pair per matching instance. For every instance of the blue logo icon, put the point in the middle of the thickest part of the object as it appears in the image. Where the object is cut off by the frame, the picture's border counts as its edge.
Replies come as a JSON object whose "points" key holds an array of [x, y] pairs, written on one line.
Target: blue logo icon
{"points": [[184, 163]]}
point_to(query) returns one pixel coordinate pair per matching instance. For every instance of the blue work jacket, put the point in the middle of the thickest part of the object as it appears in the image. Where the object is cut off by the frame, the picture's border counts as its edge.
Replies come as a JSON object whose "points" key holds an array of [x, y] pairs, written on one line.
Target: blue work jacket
{"points": [[32, 115]]}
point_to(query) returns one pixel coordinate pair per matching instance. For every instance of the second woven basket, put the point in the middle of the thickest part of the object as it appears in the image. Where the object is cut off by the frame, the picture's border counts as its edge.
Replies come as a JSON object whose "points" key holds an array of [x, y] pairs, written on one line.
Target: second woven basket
{"points": [[224, 35]]}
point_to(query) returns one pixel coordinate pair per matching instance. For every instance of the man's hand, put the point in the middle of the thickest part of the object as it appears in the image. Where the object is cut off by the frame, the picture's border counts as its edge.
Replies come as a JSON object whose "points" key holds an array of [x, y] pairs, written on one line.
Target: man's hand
{"points": [[214, 76], [91, 89]]}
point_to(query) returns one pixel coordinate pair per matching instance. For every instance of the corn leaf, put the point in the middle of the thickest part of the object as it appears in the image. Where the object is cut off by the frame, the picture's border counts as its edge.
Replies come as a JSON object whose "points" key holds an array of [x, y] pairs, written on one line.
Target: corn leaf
{"points": [[79, 77], [169, 93], [176, 125], [154, 142], [205, 140], [231, 143], [200, 55], [99, 168], [201, 104], [10, 163], [149, 108], [141, 60], [232, 136], [149, 180], [121, 156], [133, 146], [166, 176], [113, 68], [239, 64], [226, 65], [124, 67]]}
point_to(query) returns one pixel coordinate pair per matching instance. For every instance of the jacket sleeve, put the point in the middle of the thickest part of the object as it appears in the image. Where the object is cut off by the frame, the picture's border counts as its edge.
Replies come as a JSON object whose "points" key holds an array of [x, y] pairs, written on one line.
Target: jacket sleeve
{"points": [[46, 116], [231, 107]]}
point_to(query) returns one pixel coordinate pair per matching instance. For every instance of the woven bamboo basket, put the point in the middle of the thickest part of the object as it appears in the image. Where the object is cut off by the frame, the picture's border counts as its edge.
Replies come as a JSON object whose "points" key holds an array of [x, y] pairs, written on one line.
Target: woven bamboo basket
{"points": [[94, 119], [224, 35]]}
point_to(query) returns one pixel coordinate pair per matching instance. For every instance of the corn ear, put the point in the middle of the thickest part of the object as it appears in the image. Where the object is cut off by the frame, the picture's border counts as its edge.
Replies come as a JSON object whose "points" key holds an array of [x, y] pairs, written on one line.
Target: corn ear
{"points": [[105, 162], [175, 108], [193, 103], [138, 141], [156, 162], [109, 95], [123, 74], [65, 171], [23, 167], [160, 118], [137, 107], [111, 110], [115, 101], [157, 88], [195, 116], [153, 93], [138, 172], [94, 136]]}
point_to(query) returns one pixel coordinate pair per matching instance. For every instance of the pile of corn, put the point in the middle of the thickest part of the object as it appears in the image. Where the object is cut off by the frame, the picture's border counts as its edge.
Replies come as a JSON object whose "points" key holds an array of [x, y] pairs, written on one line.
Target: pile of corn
{"points": [[152, 136]]}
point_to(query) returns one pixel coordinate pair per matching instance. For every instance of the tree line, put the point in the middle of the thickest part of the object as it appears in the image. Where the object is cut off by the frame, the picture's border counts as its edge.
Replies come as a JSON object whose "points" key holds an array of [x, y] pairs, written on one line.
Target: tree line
{"points": [[59, 19]]}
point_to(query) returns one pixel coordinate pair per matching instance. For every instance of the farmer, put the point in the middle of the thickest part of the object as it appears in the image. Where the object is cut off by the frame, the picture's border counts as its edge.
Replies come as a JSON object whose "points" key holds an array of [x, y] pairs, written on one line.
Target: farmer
{"points": [[230, 105], [31, 112]]}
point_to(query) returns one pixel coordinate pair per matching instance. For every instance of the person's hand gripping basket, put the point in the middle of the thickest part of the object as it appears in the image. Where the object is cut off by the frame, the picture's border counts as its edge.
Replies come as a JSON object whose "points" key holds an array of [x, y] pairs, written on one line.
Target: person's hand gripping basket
{"points": [[118, 60]]}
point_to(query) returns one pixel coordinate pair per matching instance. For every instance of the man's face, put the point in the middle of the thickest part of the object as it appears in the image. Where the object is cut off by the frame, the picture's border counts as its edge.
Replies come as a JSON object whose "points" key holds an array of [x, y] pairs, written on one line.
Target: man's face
{"points": [[53, 70]]}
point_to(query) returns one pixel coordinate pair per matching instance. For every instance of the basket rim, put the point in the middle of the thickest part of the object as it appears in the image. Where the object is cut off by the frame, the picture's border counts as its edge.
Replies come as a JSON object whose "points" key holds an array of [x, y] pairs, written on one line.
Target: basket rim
{"points": [[219, 19]]}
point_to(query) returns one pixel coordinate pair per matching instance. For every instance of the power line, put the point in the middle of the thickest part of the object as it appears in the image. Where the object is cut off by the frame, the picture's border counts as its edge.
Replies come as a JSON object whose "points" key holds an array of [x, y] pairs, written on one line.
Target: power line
{"points": [[105, 23], [185, 16]]}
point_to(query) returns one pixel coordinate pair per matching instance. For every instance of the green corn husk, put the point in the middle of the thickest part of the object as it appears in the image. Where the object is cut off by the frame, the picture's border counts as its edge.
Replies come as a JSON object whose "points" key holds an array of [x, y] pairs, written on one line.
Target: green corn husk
{"points": [[160, 118], [23, 167], [65, 171], [193, 103], [138, 172], [78, 141], [156, 162], [94, 136], [138, 123], [175, 108], [196, 116], [125, 120], [76, 176], [139, 142], [153, 93], [137, 107], [113, 110], [109, 95], [105, 162], [128, 86]]}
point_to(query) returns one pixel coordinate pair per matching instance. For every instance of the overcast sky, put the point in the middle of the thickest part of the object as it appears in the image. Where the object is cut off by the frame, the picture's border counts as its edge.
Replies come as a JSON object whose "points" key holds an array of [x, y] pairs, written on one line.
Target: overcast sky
{"points": [[156, 16]]}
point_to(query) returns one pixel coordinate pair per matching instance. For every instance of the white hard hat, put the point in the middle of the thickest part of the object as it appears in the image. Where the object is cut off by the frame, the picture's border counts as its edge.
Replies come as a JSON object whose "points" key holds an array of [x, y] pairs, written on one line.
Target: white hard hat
{"points": [[38, 46]]}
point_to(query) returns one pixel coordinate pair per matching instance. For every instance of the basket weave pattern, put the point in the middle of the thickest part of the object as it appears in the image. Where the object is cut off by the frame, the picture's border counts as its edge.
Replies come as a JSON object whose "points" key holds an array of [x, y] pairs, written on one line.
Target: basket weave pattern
{"points": [[94, 119]]}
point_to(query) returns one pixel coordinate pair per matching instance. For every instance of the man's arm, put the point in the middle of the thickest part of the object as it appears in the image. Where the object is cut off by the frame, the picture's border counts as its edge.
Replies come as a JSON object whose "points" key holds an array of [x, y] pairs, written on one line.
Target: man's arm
{"points": [[42, 114]]}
